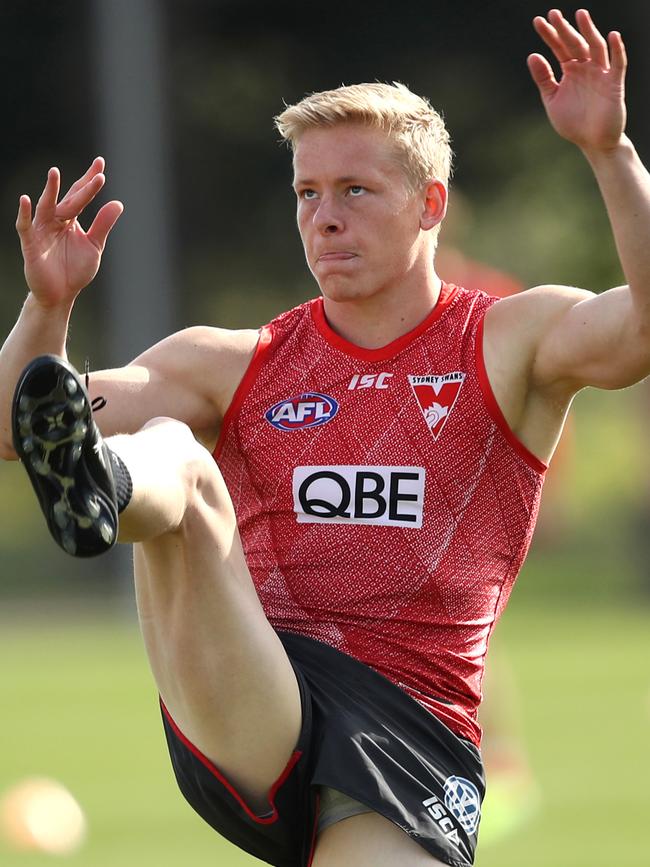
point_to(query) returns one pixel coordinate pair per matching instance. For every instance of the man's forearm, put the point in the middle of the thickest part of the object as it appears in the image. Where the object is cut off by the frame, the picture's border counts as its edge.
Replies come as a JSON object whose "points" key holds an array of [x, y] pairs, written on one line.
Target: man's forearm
{"points": [[625, 186], [38, 331]]}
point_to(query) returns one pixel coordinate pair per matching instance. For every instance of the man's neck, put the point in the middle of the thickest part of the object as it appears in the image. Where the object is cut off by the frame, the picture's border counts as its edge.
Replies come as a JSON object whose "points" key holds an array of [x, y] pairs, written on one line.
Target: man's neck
{"points": [[371, 323]]}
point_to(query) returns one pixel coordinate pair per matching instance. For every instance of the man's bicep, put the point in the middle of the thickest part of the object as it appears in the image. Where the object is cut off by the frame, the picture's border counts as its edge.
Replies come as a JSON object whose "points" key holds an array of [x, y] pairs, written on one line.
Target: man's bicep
{"points": [[594, 340], [133, 395], [164, 380], [190, 376]]}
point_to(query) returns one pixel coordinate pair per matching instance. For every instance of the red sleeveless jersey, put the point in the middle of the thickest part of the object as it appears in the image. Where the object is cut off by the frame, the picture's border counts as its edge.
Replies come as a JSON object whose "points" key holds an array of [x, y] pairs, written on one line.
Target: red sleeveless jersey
{"points": [[383, 503]]}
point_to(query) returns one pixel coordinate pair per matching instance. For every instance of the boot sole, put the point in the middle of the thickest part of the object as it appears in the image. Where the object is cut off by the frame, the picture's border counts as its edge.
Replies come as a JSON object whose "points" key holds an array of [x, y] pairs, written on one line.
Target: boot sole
{"points": [[65, 457]]}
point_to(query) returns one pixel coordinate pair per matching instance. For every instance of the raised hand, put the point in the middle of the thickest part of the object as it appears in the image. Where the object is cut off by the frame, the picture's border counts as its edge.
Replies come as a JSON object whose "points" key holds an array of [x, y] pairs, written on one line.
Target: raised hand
{"points": [[60, 257], [587, 105]]}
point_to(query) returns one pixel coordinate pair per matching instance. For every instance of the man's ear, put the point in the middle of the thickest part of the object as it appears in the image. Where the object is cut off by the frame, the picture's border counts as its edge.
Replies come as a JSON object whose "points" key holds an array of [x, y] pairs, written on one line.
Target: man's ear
{"points": [[434, 205]]}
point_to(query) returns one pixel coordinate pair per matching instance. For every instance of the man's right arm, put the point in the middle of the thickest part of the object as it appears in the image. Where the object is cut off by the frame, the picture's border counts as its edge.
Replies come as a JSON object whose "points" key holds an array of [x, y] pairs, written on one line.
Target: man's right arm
{"points": [[60, 260], [190, 376], [38, 331]]}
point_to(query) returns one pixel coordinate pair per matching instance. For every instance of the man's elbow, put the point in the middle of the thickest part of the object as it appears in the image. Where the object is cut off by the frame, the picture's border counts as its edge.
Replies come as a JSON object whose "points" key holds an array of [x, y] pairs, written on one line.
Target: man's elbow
{"points": [[630, 366]]}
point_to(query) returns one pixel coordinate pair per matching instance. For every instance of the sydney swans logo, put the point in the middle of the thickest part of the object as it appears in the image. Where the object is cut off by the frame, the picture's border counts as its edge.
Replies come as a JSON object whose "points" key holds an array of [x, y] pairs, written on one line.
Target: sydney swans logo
{"points": [[436, 396]]}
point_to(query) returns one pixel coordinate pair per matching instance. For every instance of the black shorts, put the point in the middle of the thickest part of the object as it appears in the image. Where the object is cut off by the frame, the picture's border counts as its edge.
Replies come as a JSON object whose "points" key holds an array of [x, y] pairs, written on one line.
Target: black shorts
{"points": [[362, 736]]}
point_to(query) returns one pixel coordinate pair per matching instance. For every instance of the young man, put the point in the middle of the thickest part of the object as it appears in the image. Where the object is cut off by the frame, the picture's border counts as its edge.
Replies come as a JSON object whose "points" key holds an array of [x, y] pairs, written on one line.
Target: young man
{"points": [[381, 452]]}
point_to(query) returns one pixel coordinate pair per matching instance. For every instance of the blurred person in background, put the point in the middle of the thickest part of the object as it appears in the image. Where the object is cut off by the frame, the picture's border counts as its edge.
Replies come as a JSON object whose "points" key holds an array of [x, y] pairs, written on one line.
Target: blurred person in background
{"points": [[513, 795], [317, 608]]}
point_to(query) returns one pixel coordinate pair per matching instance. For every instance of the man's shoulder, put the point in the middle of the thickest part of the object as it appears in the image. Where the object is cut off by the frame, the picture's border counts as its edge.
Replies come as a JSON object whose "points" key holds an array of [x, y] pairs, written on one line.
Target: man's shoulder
{"points": [[207, 340], [547, 299], [202, 356], [525, 317], [218, 347]]}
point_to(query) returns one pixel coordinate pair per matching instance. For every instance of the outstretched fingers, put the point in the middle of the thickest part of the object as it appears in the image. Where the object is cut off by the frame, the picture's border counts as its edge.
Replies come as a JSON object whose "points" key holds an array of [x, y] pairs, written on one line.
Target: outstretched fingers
{"points": [[95, 168], [59, 216], [617, 53], [24, 218], [542, 74], [45, 210], [104, 221], [82, 191], [586, 105], [581, 43], [49, 209], [46, 205], [551, 38], [574, 45], [594, 38], [71, 206]]}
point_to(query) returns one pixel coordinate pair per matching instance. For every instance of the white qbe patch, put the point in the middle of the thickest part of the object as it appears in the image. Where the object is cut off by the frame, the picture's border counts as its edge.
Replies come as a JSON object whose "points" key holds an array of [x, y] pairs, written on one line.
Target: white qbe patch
{"points": [[359, 495], [463, 801]]}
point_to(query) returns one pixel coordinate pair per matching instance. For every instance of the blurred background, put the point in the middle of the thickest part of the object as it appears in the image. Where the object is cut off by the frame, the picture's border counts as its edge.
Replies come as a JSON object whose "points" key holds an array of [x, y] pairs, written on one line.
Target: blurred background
{"points": [[179, 99]]}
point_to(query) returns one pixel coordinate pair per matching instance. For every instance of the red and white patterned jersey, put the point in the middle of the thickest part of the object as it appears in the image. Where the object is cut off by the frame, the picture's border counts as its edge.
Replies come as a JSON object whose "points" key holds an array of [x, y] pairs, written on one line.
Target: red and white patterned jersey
{"points": [[383, 503]]}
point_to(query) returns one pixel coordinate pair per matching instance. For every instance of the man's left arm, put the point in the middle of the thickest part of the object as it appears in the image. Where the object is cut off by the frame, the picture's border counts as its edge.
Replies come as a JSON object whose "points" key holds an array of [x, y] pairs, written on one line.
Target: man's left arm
{"points": [[600, 340]]}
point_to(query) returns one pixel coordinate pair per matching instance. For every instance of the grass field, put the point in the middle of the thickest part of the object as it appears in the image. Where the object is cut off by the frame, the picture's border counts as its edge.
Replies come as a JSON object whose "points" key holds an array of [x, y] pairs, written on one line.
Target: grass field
{"points": [[78, 704]]}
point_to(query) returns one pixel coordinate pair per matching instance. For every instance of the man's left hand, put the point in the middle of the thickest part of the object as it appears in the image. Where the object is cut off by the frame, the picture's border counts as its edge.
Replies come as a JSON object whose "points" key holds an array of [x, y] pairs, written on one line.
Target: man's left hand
{"points": [[587, 105]]}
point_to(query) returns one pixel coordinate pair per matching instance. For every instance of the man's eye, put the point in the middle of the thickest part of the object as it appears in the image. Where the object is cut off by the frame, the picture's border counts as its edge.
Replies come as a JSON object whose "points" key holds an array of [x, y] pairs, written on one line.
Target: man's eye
{"points": [[307, 194], [356, 190]]}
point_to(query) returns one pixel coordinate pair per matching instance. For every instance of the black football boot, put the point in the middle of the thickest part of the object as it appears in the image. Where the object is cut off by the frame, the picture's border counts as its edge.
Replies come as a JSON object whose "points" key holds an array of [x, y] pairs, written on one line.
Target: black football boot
{"points": [[67, 462]]}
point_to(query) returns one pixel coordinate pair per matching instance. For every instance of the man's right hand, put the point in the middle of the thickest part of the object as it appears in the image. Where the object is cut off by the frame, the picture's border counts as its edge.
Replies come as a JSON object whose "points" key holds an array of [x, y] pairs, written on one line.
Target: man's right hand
{"points": [[60, 257]]}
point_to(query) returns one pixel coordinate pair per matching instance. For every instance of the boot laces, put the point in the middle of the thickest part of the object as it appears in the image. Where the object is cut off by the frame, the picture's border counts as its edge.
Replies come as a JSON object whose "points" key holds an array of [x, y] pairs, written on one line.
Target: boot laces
{"points": [[98, 402]]}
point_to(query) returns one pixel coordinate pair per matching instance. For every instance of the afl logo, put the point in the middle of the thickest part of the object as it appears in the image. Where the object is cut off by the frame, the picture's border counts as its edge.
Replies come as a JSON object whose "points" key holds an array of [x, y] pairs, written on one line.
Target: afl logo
{"points": [[296, 413]]}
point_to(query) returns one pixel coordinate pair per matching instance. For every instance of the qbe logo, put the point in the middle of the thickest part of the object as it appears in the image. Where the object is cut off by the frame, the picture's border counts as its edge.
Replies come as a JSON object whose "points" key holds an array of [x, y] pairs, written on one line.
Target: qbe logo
{"points": [[386, 496]]}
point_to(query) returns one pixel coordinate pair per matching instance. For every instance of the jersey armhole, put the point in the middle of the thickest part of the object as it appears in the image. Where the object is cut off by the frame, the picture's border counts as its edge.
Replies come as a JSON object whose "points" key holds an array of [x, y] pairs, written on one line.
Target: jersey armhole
{"points": [[247, 380], [494, 410]]}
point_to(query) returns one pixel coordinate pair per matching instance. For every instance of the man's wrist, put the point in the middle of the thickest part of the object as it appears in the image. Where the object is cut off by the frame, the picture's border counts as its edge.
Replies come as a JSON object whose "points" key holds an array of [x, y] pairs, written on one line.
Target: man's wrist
{"points": [[57, 309], [51, 313], [622, 149]]}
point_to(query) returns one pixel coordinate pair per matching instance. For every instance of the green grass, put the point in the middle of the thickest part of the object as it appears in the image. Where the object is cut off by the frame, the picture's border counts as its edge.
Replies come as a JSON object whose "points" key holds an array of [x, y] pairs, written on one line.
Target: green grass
{"points": [[584, 679], [79, 705]]}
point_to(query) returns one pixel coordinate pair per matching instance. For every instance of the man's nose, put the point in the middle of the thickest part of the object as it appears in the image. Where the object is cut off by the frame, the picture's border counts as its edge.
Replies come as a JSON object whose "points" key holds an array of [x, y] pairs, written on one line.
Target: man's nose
{"points": [[328, 219]]}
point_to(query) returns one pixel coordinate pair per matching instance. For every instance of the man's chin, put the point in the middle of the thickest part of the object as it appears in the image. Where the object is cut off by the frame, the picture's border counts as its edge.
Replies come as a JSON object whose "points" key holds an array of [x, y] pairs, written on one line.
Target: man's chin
{"points": [[342, 290]]}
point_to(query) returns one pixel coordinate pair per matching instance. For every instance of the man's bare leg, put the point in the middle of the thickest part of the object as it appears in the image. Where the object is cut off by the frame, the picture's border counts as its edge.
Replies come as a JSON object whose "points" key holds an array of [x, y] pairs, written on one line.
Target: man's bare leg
{"points": [[369, 840], [219, 666]]}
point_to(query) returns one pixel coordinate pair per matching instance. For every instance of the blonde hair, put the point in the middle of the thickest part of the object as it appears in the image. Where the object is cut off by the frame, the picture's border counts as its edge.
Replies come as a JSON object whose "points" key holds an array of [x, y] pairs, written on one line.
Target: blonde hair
{"points": [[421, 139]]}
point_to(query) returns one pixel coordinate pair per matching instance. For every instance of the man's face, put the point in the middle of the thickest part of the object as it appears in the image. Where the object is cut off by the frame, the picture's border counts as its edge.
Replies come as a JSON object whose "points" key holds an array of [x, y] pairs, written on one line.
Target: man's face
{"points": [[358, 220]]}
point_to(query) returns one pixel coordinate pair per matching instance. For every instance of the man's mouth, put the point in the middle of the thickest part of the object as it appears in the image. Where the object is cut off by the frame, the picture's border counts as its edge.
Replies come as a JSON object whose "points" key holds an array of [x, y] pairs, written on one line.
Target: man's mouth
{"points": [[336, 256]]}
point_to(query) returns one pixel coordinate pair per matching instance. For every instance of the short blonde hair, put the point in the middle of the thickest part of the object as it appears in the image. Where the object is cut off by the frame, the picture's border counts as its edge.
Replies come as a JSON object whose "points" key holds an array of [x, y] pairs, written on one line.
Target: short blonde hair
{"points": [[422, 141]]}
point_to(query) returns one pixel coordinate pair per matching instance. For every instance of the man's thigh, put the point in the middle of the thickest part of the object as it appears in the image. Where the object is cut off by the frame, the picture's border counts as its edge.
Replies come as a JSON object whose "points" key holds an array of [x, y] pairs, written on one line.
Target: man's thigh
{"points": [[221, 671], [369, 840]]}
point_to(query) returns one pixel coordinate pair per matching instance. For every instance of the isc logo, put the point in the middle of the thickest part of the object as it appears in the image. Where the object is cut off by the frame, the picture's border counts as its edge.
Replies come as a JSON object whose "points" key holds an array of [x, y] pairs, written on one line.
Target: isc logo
{"points": [[386, 496], [296, 413], [369, 380], [441, 816]]}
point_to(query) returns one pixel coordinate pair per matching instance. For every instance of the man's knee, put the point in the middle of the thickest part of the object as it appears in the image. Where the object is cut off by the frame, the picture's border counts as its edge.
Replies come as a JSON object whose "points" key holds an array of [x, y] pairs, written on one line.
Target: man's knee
{"points": [[204, 492], [170, 431], [176, 482], [195, 465]]}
